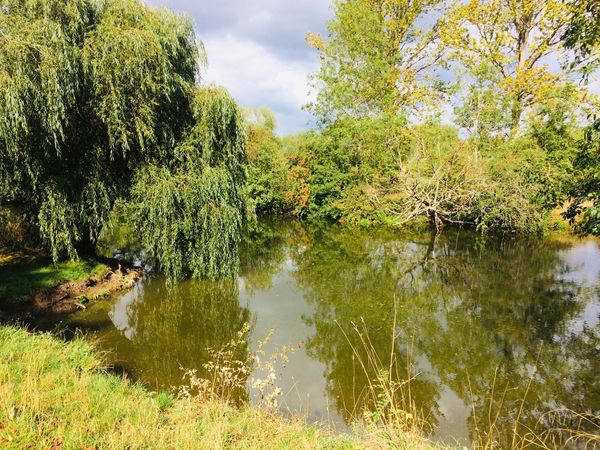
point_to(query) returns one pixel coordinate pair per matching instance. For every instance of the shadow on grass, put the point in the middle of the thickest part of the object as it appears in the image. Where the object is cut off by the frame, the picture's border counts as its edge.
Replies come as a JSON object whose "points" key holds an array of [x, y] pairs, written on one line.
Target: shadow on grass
{"points": [[20, 279]]}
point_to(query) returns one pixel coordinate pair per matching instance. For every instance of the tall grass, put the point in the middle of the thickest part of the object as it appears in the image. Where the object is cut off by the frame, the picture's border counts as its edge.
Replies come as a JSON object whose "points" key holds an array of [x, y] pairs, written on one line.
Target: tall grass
{"points": [[386, 406], [58, 395]]}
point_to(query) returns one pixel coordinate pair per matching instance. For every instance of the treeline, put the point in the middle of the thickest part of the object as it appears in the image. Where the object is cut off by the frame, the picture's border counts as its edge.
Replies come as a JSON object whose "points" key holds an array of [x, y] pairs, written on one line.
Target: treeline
{"points": [[509, 75], [100, 105], [384, 171]]}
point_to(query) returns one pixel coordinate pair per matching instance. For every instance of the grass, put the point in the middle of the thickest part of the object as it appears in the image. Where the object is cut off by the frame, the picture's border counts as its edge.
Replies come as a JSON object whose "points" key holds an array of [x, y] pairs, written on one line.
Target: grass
{"points": [[19, 279], [58, 395]]}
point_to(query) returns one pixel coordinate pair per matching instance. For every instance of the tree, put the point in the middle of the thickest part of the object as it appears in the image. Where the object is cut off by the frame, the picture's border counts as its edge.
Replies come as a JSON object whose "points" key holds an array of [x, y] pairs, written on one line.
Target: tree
{"points": [[190, 210], [583, 37], [96, 94], [484, 113], [513, 38], [447, 181], [267, 165], [377, 58]]}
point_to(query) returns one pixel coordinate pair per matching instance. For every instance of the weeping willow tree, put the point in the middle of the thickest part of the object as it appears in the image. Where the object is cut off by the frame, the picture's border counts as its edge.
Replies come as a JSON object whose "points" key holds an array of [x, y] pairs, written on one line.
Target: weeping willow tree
{"points": [[190, 211], [98, 99]]}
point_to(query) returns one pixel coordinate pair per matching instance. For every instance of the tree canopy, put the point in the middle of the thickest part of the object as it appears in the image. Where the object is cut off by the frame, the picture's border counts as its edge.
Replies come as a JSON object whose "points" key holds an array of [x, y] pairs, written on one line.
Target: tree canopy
{"points": [[377, 58], [511, 39], [391, 75], [97, 94]]}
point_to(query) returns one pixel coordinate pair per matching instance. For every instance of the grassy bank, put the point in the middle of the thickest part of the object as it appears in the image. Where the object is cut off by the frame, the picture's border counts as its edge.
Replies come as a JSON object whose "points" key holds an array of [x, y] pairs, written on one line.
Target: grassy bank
{"points": [[22, 277], [31, 286], [58, 395]]}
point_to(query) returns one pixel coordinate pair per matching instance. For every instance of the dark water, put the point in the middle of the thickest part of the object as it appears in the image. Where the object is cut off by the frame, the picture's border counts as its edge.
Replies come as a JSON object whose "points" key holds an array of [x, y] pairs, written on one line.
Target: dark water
{"points": [[485, 326]]}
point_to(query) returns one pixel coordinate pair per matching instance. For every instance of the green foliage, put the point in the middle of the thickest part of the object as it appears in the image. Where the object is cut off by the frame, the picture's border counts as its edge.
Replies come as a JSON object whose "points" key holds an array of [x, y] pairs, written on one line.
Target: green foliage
{"points": [[90, 90], [100, 95], [585, 188], [331, 171], [382, 171], [140, 65], [506, 203], [190, 212], [380, 63], [99, 102], [267, 165], [550, 156], [483, 112], [583, 35], [15, 232], [375, 60], [331, 165], [509, 41]]}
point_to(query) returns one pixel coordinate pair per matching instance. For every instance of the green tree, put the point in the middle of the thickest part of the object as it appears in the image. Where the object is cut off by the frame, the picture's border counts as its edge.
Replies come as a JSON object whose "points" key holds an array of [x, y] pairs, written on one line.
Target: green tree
{"points": [[267, 165], [377, 58], [96, 94], [333, 171], [484, 113], [512, 39], [583, 37], [190, 211]]}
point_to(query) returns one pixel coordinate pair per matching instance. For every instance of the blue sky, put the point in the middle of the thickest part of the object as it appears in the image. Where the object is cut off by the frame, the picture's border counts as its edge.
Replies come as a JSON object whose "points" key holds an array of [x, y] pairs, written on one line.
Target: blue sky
{"points": [[256, 49]]}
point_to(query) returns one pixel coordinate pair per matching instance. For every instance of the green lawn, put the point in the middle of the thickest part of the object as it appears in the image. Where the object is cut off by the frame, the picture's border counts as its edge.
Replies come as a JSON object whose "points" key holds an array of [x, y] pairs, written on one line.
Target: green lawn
{"points": [[21, 278]]}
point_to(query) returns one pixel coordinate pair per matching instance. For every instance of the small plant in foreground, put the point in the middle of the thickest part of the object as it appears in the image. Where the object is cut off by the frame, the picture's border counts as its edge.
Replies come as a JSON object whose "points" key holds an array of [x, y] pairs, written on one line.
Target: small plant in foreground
{"points": [[228, 373]]}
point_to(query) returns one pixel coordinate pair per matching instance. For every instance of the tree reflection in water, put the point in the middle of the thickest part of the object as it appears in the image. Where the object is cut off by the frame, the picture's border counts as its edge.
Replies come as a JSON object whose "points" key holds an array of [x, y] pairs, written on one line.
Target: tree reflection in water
{"points": [[489, 327], [161, 332], [491, 321]]}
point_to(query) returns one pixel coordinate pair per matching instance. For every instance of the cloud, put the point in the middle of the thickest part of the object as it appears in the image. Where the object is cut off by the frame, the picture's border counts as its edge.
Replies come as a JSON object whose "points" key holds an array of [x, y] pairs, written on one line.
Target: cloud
{"points": [[257, 77], [256, 49]]}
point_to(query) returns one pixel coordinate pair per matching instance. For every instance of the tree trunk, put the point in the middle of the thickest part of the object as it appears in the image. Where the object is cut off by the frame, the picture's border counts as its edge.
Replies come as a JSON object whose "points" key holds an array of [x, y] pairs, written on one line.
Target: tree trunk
{"points": [[435, 220]]}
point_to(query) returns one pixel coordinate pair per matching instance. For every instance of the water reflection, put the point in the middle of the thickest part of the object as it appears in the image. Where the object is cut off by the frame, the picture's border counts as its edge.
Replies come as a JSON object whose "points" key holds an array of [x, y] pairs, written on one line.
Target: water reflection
{"points": [[486, 325], [157, 333], [481, 324]]}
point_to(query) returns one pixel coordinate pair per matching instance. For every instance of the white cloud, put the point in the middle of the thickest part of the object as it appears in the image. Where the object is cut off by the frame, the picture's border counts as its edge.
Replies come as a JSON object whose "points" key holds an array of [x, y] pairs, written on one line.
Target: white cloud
{"points": [[256, 50], [257, 77]]}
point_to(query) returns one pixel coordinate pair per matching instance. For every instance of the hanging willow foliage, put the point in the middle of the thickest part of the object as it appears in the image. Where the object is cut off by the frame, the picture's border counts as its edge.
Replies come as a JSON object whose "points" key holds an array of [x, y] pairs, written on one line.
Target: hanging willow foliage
{"points": [[190, 213], [91, 92], [141, 65]]}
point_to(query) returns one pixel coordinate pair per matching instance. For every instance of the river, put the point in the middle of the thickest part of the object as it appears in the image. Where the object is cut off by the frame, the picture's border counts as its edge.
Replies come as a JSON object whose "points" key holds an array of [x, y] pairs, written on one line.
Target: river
{"points": [[483, 327]]}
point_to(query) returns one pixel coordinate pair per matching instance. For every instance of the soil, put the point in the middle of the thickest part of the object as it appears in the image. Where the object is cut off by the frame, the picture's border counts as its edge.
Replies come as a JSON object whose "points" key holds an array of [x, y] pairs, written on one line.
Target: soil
{"points": [[72, 296]]}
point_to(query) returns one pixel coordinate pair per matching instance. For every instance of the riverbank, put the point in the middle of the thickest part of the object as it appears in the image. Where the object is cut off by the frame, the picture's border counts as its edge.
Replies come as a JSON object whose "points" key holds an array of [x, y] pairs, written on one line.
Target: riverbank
{"points": [[59, 395], [33, 285]]}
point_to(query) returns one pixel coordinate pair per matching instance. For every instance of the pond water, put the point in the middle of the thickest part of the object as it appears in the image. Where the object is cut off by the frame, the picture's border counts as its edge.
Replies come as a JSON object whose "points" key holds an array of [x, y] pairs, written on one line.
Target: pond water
{"points": [[482, 327]]}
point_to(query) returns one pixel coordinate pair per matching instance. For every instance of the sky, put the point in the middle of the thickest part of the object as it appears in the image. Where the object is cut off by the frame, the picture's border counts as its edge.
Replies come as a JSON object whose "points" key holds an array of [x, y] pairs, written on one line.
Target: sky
{"points": [[256, 49]]}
